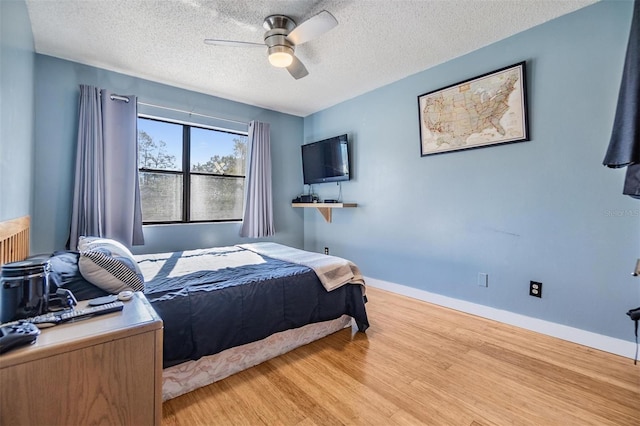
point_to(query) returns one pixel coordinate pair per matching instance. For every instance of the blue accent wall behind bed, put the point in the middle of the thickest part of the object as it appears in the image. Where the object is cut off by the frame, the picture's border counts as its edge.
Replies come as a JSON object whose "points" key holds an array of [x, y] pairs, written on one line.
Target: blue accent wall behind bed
{"points": [[544, 210], [56, 82]]}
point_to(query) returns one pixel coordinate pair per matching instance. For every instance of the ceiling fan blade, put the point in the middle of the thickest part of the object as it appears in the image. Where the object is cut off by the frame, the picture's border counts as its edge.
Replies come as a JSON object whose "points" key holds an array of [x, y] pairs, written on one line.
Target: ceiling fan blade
{"points": [[297, 69], [232, 43], [312, 28]]}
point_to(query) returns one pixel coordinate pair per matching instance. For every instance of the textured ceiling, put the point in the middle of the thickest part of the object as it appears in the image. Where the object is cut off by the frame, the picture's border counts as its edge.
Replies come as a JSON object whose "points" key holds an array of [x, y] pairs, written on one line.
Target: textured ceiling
{"points": [[376, 42]]}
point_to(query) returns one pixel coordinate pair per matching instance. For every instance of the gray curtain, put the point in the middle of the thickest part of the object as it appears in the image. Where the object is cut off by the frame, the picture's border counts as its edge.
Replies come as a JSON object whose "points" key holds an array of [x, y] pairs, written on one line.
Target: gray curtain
{"points": [[257, 219], [106, 198], [624, 146]]}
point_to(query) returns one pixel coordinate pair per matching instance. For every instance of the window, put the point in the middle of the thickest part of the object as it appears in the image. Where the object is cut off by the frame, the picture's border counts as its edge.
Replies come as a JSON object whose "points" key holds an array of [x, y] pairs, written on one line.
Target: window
{"points": [[190, 173]]}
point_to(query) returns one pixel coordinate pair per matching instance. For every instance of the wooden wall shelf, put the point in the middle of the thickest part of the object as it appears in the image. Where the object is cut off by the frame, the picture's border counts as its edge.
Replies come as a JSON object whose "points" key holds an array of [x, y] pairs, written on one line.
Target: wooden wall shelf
{"points": [[325, 208]]}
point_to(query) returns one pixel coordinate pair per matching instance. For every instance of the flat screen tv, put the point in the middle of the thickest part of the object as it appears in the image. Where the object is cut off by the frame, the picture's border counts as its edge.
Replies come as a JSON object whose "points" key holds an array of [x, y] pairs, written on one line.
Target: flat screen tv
{"points": [[326, 160]]}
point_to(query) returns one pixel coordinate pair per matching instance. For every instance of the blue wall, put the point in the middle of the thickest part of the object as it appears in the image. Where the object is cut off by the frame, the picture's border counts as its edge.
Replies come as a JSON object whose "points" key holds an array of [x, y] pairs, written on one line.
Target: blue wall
{"points": [[56, 83], [16, 110], [544, 210]]}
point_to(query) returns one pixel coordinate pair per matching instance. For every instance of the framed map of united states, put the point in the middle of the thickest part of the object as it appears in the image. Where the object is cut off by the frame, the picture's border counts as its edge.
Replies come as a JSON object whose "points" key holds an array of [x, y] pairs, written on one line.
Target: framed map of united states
{"points": [[487, 110]]}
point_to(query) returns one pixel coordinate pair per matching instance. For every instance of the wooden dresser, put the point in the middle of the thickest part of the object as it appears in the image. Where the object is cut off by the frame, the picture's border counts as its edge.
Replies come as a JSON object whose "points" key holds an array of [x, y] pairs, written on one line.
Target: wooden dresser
{"points": [[102, 370]]}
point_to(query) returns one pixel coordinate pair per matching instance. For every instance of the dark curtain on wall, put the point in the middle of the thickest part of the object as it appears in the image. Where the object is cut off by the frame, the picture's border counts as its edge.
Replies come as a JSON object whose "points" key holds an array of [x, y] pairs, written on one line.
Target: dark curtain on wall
{"points": [[106, 197], [624, 147]]}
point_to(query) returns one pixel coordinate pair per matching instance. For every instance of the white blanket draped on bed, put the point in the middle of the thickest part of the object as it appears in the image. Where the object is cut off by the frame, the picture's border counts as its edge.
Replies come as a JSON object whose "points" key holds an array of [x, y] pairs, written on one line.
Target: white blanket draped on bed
{"points": [[332, 271]]}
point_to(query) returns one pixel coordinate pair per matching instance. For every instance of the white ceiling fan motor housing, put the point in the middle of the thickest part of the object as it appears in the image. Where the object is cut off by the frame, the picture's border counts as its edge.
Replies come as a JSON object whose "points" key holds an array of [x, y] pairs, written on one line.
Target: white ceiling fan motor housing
{"points": [[280, 49]]}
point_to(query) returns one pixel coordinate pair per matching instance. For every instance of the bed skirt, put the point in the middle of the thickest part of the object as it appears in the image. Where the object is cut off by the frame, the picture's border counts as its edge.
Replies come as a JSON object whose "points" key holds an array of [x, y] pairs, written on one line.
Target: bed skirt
{"points": [[182, 378]]}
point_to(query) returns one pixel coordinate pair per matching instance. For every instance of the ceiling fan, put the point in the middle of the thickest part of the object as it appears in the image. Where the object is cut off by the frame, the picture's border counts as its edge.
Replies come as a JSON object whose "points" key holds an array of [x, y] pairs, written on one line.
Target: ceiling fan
{"points": [[282, 37]]}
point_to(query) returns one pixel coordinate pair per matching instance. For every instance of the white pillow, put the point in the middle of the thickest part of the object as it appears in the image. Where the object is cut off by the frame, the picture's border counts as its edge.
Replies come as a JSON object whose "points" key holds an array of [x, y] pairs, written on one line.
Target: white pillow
{"points": [[109, 265]]}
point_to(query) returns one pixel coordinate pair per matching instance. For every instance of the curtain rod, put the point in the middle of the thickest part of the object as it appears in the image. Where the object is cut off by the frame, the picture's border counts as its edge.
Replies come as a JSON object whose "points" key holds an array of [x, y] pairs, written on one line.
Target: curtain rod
{"points": [[126, 99]]}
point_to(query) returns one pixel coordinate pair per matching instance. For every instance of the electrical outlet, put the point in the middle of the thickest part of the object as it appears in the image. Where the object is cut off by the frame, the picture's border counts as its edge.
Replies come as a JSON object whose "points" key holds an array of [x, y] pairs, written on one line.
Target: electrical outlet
{"points": [[326, 250], [483, 279], [535, 289]]}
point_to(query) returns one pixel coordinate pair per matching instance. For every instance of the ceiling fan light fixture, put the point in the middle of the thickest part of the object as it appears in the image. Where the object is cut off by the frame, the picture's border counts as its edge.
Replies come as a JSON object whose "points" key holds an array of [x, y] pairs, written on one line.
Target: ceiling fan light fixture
{"points": [[282, 37], [280, 56]]}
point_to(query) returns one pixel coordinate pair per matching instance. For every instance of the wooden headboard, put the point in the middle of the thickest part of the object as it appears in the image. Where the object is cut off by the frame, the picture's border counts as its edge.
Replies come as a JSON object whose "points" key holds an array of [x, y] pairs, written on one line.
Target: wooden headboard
{"points": [[14, 239]]}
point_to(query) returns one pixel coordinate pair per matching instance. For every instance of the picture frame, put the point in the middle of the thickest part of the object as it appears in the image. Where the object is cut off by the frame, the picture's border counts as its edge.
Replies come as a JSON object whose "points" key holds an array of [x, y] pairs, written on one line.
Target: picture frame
{"points": [[487, 110]]}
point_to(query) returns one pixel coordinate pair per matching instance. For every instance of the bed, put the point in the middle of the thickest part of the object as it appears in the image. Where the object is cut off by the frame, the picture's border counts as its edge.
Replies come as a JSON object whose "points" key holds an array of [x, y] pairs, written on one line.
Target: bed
{"points": [[226, 309]]}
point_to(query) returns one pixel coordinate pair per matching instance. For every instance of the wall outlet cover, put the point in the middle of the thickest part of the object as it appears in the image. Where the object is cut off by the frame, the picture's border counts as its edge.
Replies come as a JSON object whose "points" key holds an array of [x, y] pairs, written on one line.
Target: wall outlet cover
{"points": [[483, 279], [535, 289]]}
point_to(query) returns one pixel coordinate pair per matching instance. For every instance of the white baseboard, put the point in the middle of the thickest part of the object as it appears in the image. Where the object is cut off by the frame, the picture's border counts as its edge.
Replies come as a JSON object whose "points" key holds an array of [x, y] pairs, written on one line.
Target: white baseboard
{"points": [[571, 334]]}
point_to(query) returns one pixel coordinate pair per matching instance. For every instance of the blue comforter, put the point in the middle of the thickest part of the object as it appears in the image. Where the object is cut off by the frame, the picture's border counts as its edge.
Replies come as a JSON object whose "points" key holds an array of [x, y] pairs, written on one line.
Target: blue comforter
{"points": [[213, 308]]}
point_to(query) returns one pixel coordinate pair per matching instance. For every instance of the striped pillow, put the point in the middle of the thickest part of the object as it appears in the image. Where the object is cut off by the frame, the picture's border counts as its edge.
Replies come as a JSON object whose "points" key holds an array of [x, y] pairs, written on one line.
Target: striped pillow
{"points": [[109, 265]]}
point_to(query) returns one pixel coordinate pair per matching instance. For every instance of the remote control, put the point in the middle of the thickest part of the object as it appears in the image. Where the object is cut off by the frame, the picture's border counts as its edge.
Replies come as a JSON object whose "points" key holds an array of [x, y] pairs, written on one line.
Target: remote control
{"points": [[103, 300], [47, 320], [16, 335]]}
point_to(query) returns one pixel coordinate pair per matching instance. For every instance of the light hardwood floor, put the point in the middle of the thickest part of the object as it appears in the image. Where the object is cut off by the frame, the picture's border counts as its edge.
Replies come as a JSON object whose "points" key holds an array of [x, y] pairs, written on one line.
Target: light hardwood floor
{"points": [[423, 364]]}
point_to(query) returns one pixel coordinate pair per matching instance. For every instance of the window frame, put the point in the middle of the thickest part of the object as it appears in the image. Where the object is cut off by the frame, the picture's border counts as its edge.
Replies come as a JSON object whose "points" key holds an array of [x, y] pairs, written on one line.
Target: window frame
{"points": [[186, 169]]}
